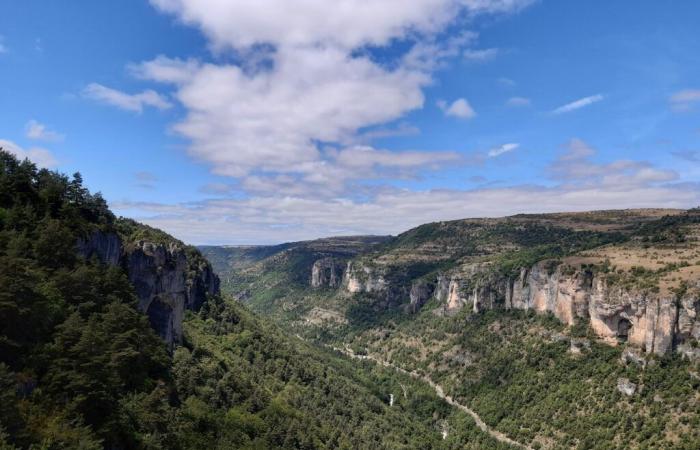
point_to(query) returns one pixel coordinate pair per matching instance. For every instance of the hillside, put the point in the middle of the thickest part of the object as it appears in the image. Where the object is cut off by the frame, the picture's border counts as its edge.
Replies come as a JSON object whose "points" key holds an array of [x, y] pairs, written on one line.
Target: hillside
{"points": [[114, 335], [571, 330]]}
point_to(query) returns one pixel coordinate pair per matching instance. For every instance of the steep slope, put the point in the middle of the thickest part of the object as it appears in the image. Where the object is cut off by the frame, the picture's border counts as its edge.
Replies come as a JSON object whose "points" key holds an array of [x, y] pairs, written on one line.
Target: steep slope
{"points": [[113, 335], [515, 315], [277, 270]]}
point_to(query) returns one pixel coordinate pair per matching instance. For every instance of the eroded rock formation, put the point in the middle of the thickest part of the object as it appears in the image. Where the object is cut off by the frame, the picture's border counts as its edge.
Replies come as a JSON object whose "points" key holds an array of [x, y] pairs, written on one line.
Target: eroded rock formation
{"points": [[326, 272], [652, 322], [166, 279]]}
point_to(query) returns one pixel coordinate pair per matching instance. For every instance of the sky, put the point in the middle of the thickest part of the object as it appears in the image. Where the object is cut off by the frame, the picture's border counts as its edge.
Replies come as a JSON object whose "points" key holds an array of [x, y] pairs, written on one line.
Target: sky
{"points": [[265, 121]]}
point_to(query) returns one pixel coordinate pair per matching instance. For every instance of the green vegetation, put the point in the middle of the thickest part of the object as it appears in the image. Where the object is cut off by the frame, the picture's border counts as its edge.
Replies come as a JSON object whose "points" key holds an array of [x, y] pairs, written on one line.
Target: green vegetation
{"points": [[81, 368], [72, 344], [527, 375]]}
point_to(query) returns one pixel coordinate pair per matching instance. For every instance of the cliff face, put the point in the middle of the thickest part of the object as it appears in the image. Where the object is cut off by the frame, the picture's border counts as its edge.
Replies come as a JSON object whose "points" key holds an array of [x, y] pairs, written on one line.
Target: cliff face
{"points": [[652, 322], [167, 281], [647, 321], [326, 272], [361, 278]]}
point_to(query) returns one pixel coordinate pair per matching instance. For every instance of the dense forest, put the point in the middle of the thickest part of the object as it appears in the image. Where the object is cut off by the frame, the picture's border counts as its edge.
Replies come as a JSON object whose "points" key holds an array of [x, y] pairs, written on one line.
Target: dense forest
{"points": [[81, 367]]}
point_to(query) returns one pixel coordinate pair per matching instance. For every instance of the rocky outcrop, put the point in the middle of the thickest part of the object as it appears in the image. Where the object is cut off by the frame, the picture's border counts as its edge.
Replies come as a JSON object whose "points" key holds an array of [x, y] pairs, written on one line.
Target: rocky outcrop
{"points": [[326, 272], [651, 322], [626, 387], [644, 320], [107, 247], [421, 292], [361, 278], [616, 315], [167, 284], [167, 279]]}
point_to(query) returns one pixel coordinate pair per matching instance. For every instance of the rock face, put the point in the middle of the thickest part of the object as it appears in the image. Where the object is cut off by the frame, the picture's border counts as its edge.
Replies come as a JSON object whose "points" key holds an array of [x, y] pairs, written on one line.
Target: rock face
{"points": [[167, 285], [650, 322], [107, 247], [421, 292], [326, 272], [360, 278], [167, 282], [616, 315]]}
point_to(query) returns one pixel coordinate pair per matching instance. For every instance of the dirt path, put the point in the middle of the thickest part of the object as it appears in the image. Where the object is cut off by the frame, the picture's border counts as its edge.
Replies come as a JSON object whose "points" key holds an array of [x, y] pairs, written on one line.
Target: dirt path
{"points": [[441, 393]]}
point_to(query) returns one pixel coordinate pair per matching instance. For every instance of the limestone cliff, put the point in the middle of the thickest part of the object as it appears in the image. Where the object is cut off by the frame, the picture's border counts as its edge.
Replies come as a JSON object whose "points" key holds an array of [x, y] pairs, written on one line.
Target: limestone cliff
{"points": [[361, 278], [167, 278], [653, 322], [326, 272]]}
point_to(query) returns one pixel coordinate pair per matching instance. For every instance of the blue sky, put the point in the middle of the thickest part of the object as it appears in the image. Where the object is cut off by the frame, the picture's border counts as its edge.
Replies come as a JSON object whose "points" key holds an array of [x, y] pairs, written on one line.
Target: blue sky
{"points": [[272, 120]]}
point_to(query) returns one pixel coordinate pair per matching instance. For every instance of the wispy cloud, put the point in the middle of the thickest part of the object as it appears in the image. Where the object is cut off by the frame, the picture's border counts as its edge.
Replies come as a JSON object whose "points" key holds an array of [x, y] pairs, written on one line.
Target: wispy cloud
{"points": [[500, 150], [518, 101], [506, 82], [38, 131], [122, 100], [145, 179], [459, 108], [684, 100], [480, 55], [39, 156], [575, 166], [688, 155], [578, 104]]}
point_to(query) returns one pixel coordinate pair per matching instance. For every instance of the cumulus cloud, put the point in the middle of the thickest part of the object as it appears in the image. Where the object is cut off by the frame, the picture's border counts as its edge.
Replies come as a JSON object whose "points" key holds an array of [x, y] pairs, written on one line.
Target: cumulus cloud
{"points": [[273, 119], [38, 131], [515, 102], [684, 100], [129, 102], [292, 112], [301, 94], [39, 156], [245, 23], [460, 108], [578, 104], [502, 149]]}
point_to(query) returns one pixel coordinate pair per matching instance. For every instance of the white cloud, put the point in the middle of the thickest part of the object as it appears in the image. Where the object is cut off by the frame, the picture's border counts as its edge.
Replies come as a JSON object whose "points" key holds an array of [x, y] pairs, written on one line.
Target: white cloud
{"points": [[3, 48], [39, 156], [576, 183], [459, 108], [480, 55], [402, 129], [347, 24], [685, 99], [273, 119], [288, 218], [500, 150], [38, 131], [515, 102], [578, 104], [576, 167], [300, 87], [129, 102]]}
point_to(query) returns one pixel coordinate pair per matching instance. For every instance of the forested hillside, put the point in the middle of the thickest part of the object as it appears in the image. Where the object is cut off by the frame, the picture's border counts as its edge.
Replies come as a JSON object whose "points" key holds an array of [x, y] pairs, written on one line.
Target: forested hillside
{"points": [[81, 365], [562, 331]]}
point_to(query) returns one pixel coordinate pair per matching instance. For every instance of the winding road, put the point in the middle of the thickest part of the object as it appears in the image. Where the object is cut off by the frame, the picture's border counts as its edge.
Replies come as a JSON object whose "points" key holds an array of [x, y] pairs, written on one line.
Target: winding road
{"points": [[440, 393]]}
